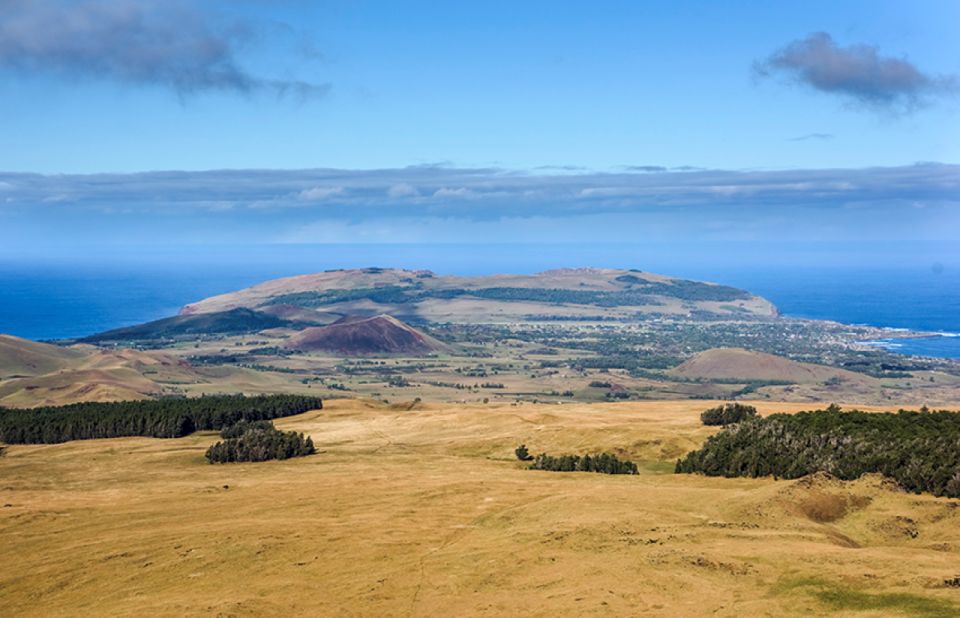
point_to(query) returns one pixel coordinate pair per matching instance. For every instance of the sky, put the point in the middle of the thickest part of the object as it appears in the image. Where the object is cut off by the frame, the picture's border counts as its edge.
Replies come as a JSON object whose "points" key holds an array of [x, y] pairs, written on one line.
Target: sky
{"points": [[169, 128]]}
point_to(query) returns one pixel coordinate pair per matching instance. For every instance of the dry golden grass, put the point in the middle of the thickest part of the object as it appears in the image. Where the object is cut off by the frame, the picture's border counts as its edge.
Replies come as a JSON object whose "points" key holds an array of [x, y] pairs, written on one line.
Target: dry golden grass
{"points": [[22, 357], [423, 510]]}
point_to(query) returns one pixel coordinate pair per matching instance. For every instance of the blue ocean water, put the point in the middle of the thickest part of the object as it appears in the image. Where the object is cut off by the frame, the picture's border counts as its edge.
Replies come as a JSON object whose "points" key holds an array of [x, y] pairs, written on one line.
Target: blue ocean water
{"points": [[57, 301], [921, 299], [941, 346], [61, 302], [924, 299]]}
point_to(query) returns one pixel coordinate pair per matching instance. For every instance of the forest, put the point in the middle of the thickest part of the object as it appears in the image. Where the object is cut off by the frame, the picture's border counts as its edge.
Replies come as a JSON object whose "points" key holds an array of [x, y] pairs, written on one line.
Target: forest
{"points": [[920, 450], [159, 418]]}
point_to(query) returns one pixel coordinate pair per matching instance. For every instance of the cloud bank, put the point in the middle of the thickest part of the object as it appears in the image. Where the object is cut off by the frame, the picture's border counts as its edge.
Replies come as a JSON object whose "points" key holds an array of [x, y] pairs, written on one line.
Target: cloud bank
{"points": [[171, 44], [477, 193], [79, 215], [858, 73]]}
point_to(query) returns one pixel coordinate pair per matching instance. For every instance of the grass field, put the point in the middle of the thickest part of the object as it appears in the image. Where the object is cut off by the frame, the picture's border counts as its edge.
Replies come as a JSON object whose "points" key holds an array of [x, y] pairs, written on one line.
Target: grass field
{"points": [[423, 510]]}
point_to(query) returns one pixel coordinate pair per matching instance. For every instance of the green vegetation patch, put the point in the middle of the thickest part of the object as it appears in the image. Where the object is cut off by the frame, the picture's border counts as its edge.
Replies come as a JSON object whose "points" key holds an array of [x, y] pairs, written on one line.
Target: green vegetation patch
{"points": [[920, 450], [235, 321], [641, 295], [838, 597], [387, 294], [605, 463], [161, 418], [258, 441], [727, 414]]}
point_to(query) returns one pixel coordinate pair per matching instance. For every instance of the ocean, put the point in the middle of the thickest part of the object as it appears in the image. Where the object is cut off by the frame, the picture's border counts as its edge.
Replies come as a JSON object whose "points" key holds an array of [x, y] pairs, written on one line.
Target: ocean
{"points": [[63, 302], [919, 299], [58, 301]]}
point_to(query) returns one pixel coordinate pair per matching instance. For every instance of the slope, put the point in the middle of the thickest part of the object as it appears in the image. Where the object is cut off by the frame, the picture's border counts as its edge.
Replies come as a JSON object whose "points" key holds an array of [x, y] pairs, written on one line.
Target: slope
{"points": [[427, 512], [580, 292], [740, 364], [22, 357], [359, 336], [233, 321]]}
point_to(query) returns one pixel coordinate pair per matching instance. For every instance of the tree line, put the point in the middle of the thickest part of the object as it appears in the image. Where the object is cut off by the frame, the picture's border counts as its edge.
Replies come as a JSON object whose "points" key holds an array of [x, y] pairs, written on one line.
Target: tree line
{"points": [[159, 418], [920, 450], [605, 463], [258, 441]]}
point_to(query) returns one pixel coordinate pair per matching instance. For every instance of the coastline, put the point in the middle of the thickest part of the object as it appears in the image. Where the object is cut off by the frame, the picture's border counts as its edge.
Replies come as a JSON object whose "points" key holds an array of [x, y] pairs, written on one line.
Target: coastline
{"points": [[938, 345]]}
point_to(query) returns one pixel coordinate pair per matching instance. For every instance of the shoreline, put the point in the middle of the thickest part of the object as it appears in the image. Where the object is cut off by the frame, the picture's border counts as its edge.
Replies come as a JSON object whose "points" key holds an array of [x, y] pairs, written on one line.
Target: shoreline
{"points": [[936, 345]]}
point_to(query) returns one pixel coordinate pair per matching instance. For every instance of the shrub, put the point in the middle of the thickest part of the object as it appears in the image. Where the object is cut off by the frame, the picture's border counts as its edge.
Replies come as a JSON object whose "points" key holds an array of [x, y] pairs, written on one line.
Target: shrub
{"points": [[522, 453], [727, 414]]}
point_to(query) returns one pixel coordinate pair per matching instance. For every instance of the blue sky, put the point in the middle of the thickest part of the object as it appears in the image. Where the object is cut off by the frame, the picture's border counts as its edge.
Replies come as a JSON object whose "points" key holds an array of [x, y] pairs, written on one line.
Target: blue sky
{"points": [[380, 122]]}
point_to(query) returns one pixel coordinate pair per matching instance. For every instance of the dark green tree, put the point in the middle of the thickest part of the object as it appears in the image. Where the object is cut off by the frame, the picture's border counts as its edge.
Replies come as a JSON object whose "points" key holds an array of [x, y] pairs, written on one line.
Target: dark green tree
{"points": [[159, 418], [259, 442], [727, 414], [522, 453], [921, 451]]}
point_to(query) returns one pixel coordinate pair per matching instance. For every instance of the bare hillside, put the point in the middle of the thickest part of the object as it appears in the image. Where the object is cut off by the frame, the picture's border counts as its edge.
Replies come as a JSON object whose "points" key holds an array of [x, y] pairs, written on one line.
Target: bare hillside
{"points": [[22, 357], [36, 374], [740, 364], [357, 336]]}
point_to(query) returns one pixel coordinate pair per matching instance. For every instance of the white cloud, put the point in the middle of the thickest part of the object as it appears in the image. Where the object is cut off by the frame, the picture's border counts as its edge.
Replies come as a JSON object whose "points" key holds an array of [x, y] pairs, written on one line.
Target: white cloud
{"points": [[482, 193], [403, 190], [320, 193], [459, 192]]}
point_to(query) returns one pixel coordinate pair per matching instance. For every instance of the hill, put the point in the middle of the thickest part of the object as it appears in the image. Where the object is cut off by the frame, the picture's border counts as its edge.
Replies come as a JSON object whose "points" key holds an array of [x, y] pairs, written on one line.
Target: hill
{"points": [[37, 374], [428, 513], [740, 364], [359, 336], [83, 373], [231, 322], [299, 315], [556, 294], [23, 358]]}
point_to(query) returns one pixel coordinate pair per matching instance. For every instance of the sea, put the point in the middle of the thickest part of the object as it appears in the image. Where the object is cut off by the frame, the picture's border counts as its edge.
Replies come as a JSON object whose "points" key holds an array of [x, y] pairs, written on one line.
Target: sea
{"points": [[61, 300], [912, 299]]}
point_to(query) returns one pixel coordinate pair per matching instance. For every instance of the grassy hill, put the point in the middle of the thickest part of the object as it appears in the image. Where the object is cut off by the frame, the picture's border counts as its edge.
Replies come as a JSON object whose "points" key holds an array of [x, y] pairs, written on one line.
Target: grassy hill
{"points": [[37, 374], [22, 357], [88, 374], [424, 510], [740, 364], [231, 322], [424, 295]]}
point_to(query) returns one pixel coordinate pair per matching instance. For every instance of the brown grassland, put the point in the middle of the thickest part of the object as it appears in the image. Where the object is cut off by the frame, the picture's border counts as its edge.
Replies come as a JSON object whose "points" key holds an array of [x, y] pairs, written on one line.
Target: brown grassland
{"points": [[414, 509]]}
